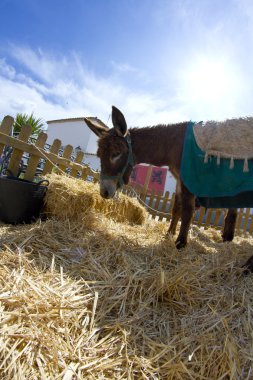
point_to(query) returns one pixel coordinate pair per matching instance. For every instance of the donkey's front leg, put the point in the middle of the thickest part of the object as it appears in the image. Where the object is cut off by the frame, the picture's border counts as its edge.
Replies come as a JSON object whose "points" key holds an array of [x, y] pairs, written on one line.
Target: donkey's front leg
{"points": [[187, 209], [176, 213]]}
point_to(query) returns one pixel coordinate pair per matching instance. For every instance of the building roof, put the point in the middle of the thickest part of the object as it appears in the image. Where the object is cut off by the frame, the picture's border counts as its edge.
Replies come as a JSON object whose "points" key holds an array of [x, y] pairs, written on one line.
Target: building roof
{"points": [[89, 154], [95, 119], [64, 120]]}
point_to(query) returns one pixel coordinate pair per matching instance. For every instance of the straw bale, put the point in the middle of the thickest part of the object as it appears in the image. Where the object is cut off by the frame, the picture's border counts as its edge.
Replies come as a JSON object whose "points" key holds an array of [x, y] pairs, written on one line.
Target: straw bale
{"points": [[117, 301], [69, 198]]}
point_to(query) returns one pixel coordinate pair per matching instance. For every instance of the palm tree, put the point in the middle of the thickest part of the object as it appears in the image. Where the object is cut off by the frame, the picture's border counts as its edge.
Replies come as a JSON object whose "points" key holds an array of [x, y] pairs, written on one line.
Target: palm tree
{"points": [[23, 119]]}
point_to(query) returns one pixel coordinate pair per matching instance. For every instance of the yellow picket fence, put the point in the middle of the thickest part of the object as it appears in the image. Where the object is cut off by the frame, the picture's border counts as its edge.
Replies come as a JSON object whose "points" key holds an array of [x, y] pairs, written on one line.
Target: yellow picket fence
{"points": [[159, 207]]}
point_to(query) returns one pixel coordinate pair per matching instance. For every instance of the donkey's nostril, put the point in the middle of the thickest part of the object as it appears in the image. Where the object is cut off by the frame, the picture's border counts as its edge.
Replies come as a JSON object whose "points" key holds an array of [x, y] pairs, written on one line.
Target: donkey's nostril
{"points": [[105, 194]]}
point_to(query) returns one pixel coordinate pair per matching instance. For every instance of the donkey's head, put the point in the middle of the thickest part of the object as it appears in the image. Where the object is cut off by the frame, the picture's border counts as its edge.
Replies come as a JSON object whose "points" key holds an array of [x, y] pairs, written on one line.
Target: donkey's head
{"points": [[115, 153]]}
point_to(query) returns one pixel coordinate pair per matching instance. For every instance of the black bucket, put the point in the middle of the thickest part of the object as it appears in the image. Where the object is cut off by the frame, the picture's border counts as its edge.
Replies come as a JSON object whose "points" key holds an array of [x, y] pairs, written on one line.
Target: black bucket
{"points": [[21, 201]]}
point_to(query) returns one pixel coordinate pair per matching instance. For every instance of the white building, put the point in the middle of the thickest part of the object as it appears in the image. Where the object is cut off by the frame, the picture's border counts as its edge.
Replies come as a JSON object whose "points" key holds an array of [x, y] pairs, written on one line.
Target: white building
{"points": [[74, 131]]}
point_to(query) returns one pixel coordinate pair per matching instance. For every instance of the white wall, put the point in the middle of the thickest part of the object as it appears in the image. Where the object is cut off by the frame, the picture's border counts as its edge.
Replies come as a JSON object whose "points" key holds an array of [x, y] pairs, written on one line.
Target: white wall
{"points": [[73, 132], [92, 144], [170, 184], [92, 160]]}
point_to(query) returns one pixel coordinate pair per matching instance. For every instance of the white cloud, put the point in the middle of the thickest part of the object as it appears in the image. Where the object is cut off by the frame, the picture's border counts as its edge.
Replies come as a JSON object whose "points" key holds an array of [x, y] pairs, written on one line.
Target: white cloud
{"points": [[7, 70], [124, 67], [20, 97], [40, 64]]}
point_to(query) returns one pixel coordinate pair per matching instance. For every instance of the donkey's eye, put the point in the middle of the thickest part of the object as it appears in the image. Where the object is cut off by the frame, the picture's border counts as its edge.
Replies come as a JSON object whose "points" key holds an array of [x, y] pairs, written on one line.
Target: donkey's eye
{"points": [[115, 156]]}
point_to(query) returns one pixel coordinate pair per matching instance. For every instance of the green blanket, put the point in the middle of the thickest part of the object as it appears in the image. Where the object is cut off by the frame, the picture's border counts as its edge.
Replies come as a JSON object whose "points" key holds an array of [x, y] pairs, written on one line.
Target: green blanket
{"points": [[210, 180]]}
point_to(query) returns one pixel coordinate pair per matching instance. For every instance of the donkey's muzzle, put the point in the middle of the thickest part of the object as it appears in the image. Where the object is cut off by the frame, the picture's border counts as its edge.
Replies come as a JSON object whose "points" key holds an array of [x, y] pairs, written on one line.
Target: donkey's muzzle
{"points": [[107, 189]]}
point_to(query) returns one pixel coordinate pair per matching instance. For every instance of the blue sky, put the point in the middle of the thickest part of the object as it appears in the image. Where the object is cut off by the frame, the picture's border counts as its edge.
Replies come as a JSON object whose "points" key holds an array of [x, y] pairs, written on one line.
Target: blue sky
{"points": [[159, 61]]}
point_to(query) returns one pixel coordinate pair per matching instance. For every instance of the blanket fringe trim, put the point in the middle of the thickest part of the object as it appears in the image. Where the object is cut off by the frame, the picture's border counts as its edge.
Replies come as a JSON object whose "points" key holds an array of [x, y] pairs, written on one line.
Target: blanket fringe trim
{"points": [[231, 165]]}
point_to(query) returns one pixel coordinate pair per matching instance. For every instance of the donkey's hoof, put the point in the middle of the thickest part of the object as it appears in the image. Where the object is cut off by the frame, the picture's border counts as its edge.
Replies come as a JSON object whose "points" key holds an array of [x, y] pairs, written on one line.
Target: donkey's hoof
{"points": [[180, 244], [248, 266], [227, 237]]}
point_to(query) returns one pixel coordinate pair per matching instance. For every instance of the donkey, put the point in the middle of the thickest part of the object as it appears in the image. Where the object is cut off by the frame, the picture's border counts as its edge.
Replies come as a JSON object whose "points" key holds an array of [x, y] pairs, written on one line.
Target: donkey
{"points": [[120, 148]]}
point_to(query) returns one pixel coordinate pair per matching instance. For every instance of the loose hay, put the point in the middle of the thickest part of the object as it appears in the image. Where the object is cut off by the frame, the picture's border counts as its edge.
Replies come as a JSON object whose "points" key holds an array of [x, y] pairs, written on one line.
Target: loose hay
{"points": [[116, 301]]}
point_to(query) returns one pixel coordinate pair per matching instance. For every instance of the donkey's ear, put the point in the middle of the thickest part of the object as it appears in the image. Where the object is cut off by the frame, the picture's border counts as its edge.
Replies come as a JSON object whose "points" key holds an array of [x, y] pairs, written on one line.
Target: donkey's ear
{"points": [[119, 122], [97, 127]]}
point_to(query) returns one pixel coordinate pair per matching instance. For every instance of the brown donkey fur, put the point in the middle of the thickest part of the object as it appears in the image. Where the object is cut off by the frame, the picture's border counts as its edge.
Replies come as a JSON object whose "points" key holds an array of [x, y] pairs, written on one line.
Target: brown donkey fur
{"points": [[159, 145]]}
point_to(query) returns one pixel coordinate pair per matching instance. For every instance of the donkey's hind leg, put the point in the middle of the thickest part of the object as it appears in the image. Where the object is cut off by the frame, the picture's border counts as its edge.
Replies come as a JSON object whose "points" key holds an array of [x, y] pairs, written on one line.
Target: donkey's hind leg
{"points": [[230, 222]]}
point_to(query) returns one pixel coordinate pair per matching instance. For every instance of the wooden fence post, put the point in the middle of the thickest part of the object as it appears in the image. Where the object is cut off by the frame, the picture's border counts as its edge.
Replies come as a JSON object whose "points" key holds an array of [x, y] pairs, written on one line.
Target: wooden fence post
{"points": [[66, 154], [5, 128], [164, 205], [56, 146], [145, 189], [34, 160], [78, 160], [17, 154]]}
